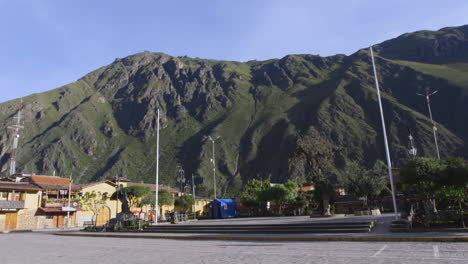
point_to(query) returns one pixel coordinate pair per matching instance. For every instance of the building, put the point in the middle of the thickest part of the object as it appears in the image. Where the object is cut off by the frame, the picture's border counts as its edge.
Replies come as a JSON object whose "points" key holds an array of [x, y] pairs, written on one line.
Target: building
{"points": [[36, 202], [148, 210], [107, 209], [41, 202], [14, 211]]}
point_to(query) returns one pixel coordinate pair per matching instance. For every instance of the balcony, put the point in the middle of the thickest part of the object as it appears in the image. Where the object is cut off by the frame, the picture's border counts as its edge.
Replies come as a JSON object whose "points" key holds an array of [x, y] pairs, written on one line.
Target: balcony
{"points": [[11, 205], [54, 203]]}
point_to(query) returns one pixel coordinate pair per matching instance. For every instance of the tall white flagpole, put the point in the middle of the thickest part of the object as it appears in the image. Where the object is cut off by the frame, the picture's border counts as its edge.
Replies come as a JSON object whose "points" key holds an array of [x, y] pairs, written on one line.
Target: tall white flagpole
{"points": [[156, 207], [387, 151]]}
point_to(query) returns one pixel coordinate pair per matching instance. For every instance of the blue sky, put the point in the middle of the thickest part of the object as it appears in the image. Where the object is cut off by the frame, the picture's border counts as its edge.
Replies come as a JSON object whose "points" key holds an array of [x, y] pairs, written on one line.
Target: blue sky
{"points": [[47, 44]]}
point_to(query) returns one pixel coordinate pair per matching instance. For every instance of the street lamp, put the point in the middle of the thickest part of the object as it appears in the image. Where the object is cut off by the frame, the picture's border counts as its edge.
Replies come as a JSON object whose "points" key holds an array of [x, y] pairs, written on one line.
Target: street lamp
{"points": [[413, 151], [213, 161], [434, 128], [180, 177]]}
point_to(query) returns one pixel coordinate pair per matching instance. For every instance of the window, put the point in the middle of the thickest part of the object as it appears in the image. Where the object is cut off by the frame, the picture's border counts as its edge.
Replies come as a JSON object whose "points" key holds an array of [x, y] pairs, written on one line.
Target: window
{"points": [[4, 195]]}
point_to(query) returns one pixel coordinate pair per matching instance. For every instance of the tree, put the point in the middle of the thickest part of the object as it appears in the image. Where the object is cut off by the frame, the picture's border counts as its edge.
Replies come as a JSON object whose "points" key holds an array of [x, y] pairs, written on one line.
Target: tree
{"points": [[134, 194], [424, 172], [324, 194], [184, 202], [445, 179], [90, 201], [365, 183], [313, 158], [202, 191], [282, 194], [302, 200], [454, 181], [165, 198], [423, 177], [253, 194]]}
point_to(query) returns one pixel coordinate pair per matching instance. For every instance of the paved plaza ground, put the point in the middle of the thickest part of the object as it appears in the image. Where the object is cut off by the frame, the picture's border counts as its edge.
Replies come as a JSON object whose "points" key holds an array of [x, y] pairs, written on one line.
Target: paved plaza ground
{"points": [[48, 248]]}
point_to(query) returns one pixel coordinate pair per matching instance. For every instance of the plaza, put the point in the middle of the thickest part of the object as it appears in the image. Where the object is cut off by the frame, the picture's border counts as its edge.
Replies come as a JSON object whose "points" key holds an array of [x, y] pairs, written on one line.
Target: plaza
{"points": [[41, 247]]}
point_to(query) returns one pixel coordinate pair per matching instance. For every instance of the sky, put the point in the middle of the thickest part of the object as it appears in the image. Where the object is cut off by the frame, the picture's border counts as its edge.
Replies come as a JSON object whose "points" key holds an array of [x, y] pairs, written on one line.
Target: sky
{"points": [[45, 44]]}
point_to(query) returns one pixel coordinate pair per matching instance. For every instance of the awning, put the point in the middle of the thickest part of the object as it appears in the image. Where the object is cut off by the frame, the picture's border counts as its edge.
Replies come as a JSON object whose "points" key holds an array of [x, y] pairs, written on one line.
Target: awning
{"points": [[52, 209]]}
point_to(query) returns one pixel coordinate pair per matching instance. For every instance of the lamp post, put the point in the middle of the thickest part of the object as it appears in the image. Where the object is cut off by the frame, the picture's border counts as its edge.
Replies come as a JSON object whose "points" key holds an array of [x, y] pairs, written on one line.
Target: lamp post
{"points": [[412, 151], [213, 161], [387, 151], [180, 178], [434, 128]]}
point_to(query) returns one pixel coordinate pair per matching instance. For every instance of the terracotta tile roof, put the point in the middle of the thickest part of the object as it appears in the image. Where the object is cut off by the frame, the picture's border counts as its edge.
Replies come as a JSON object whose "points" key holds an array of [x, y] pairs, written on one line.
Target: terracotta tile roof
{"points": [[307, 188], [9, 185], [49, 180]]}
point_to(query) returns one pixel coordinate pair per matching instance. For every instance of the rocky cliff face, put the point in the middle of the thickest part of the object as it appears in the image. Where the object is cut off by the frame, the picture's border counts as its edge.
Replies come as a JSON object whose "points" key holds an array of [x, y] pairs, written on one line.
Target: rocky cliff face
{"points": [[295, 117]]}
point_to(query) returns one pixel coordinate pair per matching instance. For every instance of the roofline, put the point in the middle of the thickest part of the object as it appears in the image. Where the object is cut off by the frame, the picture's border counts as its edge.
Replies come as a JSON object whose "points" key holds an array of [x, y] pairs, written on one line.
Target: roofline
{"points": [[84, 185], [20, 188]]}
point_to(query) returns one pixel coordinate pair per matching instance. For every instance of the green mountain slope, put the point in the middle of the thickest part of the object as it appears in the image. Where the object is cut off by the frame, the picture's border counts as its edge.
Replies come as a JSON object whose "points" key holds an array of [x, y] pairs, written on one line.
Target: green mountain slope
{"points": [[295, 117]]}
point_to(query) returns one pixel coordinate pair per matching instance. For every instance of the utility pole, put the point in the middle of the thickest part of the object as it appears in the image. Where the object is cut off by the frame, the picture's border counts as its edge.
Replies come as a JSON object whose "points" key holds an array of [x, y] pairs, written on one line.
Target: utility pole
{"points": [[14, 150], [117, 187], [434, 128], [213, 161], [387, 151], [69, 198], [156, 207]]}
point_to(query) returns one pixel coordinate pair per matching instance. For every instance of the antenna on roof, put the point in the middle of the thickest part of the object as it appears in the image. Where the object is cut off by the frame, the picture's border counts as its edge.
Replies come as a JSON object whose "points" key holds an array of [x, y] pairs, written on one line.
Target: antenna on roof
{"points": [[17, 128]]}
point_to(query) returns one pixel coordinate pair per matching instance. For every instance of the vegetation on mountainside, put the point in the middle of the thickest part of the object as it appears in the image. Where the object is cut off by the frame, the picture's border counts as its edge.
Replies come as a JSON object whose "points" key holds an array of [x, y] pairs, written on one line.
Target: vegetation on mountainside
{"points": [[302, 117]]}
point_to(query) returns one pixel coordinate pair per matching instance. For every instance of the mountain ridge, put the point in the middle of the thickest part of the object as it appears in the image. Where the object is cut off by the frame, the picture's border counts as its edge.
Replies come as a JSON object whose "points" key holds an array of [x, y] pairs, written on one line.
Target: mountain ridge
{"points": [[300, 117]]}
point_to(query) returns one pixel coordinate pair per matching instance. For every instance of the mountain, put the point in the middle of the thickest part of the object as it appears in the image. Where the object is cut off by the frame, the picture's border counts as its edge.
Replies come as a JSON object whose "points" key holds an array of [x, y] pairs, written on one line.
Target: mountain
{"points": [[292, 118]]}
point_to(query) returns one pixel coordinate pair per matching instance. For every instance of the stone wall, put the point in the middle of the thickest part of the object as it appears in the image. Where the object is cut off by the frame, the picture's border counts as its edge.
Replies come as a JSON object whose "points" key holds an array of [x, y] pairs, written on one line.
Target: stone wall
{"points": [[81, 219], [27, 219], [2, 221], [44, 223]]}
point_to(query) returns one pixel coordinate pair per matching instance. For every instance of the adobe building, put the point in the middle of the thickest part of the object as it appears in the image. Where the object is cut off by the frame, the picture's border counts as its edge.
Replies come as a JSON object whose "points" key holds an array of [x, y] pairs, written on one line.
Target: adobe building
{"points": [[35, 202]]}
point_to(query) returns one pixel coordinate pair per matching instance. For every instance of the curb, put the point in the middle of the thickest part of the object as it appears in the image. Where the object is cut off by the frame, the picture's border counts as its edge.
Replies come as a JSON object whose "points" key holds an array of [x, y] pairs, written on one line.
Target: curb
{"points": [[16, 231], [292, 239]]}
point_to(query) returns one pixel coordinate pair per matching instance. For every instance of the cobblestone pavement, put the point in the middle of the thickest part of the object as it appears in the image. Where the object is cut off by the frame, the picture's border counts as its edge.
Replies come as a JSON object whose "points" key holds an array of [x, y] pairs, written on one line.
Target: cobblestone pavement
{"points": [[48, 248]]}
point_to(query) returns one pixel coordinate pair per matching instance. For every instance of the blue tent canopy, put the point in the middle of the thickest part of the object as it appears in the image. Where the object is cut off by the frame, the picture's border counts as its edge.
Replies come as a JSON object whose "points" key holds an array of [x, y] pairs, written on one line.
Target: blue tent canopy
{"points": [[223, 208]]}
